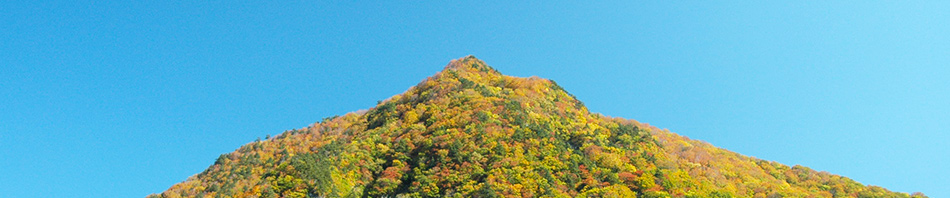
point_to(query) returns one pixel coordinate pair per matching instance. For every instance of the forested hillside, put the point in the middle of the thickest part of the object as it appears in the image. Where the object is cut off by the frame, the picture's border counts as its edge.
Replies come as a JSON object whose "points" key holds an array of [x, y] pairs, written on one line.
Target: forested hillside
{"points": [[469, 131]]}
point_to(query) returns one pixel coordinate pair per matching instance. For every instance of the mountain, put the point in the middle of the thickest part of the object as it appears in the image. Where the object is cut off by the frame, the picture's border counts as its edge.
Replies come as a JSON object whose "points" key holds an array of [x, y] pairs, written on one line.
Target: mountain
{"points": [[469, 131]]}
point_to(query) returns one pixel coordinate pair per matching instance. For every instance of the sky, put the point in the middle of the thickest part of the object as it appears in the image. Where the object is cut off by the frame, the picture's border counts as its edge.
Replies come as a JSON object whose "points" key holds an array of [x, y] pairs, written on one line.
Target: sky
{"points": [[125, 99]]}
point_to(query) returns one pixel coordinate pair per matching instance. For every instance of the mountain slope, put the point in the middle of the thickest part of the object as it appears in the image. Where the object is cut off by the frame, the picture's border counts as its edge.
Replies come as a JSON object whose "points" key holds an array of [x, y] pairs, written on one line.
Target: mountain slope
{"points": [[469, 131]]}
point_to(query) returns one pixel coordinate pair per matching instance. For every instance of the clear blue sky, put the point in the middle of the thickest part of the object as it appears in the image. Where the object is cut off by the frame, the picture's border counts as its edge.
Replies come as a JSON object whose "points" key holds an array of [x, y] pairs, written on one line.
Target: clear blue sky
{"points": [[104, 99]]}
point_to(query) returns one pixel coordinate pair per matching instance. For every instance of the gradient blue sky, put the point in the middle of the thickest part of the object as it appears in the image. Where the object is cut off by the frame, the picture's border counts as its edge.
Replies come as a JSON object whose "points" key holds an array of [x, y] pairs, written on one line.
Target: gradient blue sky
{"points": [[106, 99]]}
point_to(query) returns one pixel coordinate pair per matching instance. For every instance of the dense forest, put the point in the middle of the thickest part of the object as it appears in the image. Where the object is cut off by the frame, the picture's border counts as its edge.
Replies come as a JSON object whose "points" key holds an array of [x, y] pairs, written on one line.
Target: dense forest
{"points": [[469, 131]]}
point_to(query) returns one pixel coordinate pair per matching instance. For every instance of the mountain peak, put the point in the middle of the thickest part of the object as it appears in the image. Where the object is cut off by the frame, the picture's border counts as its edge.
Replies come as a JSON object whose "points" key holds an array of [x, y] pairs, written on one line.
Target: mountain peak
{"points": [[468, 77], [470, 64]]}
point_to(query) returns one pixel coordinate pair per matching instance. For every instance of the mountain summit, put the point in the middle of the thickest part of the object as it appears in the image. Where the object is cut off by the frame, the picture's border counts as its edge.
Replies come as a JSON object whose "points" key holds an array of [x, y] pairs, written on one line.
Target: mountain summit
{"points": [[469, 131]]}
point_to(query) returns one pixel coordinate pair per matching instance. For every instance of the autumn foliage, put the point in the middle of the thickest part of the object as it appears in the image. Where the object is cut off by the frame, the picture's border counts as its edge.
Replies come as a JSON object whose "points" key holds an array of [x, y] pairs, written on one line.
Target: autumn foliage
{"points": [[470, 131]]}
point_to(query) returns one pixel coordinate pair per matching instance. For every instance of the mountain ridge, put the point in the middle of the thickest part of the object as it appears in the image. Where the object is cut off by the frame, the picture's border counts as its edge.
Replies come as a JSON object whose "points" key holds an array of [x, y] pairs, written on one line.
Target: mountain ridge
{"points": [[470, 131]]}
